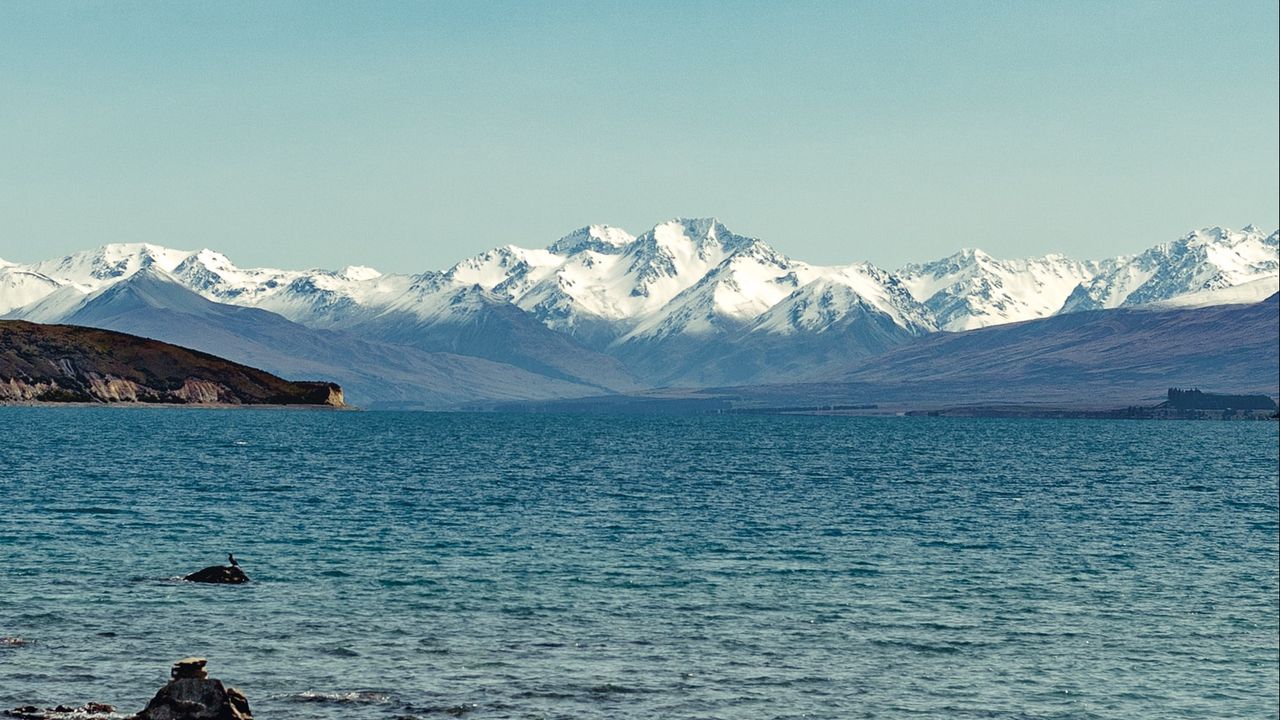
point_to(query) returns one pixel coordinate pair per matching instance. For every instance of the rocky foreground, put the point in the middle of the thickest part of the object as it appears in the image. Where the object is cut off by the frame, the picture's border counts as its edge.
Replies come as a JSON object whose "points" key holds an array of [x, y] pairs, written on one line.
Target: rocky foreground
{"points": [[190, 694], [66, 363]]}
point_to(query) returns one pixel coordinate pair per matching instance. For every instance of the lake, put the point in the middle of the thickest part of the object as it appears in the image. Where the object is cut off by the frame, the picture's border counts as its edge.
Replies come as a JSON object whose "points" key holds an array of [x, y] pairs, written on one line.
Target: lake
{"points": [[418, 565]]}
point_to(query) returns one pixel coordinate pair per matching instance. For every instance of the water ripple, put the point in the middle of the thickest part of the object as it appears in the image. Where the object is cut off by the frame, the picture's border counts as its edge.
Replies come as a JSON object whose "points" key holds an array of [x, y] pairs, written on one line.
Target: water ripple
{"points": [[487, 566]]}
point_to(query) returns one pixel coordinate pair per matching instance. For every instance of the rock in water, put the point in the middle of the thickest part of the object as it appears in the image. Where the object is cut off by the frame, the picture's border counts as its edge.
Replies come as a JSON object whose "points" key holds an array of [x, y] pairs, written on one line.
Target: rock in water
{"points": [[192, 667], [193, 695], [88, 711], [225, 574], [239, 703]]}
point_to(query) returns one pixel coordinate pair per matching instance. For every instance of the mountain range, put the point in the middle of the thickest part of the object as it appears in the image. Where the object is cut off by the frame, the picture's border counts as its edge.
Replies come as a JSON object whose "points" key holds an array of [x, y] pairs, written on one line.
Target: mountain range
{"points": [[599, 311], [1093, 360]]}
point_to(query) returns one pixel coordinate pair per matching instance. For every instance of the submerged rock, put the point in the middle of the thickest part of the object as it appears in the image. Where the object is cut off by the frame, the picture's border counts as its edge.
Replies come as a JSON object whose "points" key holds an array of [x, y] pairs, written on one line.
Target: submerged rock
{"points": [[193, 695], [225, 574], [88, 711]]}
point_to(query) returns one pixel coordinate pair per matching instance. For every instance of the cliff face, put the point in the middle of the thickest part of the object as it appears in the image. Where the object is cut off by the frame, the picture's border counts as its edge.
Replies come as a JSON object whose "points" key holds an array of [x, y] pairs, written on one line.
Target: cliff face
{"points": [[64, 363]]}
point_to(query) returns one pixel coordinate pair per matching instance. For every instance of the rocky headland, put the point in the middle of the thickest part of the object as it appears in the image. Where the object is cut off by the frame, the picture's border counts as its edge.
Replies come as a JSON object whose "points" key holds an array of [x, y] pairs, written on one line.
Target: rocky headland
{"points": [[71, 364]]}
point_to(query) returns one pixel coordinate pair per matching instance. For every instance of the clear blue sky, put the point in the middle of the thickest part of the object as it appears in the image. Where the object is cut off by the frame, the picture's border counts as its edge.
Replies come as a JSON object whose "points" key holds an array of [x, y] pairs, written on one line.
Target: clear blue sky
{"points": [[407, 136]]}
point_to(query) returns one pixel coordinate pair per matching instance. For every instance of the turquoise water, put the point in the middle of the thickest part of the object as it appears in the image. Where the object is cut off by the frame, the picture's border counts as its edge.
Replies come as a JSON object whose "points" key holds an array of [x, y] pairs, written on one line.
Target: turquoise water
{"points": [[490, 566]]}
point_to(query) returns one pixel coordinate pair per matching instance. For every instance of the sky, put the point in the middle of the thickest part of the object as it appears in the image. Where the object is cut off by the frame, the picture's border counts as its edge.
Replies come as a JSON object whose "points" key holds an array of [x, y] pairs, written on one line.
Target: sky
{"points": [[406, 136]]}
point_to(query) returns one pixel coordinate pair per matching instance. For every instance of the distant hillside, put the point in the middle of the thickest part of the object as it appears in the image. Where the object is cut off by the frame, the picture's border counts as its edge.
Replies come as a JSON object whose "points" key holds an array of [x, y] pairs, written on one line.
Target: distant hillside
{"points": [[1099, 358], [1091, 359], [151, 304], [1094, 356], [65, 363]]}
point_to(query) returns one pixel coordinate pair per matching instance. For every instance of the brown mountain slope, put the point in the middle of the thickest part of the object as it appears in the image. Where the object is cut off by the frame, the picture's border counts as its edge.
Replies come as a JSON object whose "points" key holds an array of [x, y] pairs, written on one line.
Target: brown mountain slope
{"points": [[66, 363]]}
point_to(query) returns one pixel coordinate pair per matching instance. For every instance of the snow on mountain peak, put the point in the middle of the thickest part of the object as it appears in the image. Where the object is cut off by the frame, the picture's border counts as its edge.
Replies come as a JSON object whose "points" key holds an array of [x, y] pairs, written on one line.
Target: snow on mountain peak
{"points": [[1205, 260], [91, 269], [358, 273], [683, 276], [20, 287], [971, 289], [600, 238], [671, 258], [703, 233], [508, 265], [212, 259], [839, 294], [754, 279]]}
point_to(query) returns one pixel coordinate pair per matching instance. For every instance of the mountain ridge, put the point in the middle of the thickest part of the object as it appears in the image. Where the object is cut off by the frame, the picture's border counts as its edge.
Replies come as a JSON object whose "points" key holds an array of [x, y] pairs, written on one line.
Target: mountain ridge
{"points": [[153, 304], [679, 304], [688, 248]]}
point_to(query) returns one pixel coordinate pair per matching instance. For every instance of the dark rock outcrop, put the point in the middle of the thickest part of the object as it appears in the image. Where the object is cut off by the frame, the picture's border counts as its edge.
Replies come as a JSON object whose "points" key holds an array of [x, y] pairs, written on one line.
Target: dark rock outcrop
{"points": [[221, 574], [192, 695]]}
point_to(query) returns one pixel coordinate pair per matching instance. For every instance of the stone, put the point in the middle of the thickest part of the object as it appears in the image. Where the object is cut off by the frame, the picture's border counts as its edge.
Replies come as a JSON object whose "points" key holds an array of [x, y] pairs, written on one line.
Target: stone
{"points": [[192, 695], [192, 667], [220, 574], [239, 702]]}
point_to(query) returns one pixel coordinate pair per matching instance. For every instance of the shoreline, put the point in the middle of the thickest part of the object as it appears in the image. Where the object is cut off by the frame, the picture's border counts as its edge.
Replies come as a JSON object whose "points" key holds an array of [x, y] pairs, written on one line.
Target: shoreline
{"points": [[1015, 410], [179, 406], [994, 411]]}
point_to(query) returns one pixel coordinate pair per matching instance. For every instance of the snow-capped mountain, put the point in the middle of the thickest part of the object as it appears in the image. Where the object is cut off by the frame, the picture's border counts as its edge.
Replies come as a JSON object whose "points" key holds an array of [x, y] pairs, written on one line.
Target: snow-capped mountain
{"points": [[439, 316], [1212, 259], [971, 289], [315, 297], [687, 301], [728, 296], [843, 315], [838, 294], [682, 278], [153, 303], [20, 286], [685, 289], [601, 281], [92, 270]]}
